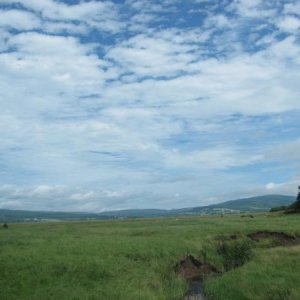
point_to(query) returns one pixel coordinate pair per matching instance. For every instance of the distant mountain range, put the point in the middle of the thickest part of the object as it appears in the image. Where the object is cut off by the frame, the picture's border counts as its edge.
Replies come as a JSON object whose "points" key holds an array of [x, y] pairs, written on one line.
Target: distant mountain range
{"points": [[254, 204]]}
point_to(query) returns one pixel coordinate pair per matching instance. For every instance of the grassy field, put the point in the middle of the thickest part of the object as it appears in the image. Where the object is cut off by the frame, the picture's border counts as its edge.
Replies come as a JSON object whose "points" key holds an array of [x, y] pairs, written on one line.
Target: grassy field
{"points": [[134, 259]]}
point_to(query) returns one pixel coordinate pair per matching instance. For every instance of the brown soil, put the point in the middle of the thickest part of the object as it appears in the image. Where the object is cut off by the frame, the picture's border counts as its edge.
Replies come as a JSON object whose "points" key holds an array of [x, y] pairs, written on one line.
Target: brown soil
{"points": [[192, 269], [283, 238]]}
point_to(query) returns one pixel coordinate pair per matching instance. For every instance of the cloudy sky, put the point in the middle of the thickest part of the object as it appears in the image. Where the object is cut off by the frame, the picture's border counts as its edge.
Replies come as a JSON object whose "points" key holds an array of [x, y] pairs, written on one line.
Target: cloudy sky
{"points": [[147, 104]]}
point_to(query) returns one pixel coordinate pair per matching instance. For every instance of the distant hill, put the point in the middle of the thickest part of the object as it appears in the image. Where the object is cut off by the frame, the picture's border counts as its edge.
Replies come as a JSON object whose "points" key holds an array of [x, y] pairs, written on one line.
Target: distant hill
{"points": [[136, 213], [254, 204], [7, 215]]}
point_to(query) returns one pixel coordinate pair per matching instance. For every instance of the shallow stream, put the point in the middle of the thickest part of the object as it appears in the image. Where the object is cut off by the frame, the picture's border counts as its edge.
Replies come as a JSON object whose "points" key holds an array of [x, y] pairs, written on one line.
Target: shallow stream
{"points": [[195, 291]]}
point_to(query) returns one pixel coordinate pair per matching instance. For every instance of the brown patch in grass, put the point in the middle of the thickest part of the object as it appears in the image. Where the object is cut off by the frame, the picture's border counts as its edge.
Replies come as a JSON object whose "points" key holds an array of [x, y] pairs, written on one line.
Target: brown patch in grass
{"points": [[283, 239], [192, 269]]}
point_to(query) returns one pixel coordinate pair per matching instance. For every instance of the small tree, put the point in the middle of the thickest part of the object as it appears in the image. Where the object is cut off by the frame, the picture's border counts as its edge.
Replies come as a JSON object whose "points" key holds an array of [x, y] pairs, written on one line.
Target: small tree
{"points": [[5, 226], [296, 204]]}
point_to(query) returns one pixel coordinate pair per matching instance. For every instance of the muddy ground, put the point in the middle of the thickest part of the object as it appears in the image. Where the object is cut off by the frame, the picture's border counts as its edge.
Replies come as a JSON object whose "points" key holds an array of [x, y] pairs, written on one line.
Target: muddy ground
{"points": [[282, 238], [194, 271]]}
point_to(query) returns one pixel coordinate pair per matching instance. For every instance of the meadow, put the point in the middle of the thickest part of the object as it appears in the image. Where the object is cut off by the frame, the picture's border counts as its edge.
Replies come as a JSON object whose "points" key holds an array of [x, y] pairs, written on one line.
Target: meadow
{"points": [[135, 259]]}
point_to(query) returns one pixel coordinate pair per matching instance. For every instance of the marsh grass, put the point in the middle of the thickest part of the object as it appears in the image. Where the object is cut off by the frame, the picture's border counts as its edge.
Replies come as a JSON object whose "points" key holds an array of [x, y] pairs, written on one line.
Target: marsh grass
{"points": [[272, 274], [134, 259]]}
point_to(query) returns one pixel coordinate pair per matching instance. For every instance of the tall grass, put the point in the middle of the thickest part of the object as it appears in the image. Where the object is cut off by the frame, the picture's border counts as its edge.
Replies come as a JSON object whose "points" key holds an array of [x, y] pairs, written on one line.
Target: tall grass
{"points": [[134, 259]]}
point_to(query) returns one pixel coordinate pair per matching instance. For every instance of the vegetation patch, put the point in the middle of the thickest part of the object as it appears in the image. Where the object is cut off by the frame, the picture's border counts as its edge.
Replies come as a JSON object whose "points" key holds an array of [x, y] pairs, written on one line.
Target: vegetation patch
{"points": [[235, 253]]}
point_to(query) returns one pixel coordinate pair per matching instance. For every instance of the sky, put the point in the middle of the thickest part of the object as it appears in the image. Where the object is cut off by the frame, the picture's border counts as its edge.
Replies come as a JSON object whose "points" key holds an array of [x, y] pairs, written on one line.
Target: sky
{"points": [[123, 104]]}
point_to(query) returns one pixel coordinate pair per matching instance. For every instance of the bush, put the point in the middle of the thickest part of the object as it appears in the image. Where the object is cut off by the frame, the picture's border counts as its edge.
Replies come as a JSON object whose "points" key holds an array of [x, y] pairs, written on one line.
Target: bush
{"points": [[278, 208], [235, 253], [296, 205]]}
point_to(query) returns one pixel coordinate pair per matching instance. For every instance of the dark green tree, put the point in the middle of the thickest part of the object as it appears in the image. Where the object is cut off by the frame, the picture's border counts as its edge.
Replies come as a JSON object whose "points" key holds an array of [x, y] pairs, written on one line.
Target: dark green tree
{"points": [[296, 204]]}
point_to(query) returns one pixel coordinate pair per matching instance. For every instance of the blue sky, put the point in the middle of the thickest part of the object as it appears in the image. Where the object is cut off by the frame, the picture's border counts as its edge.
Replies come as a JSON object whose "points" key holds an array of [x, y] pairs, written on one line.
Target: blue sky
{"points": [[147, 104]]}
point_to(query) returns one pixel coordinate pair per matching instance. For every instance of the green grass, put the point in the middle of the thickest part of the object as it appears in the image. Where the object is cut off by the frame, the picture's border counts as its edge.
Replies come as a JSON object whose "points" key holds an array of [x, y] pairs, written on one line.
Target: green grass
{"points": [[134, 259], [273, 274]]}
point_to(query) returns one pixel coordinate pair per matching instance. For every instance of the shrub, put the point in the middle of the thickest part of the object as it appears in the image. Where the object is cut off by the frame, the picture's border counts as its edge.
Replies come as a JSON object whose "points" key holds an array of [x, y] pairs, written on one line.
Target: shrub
{"points": [[235, 253], [296, 204], [278, 208]]}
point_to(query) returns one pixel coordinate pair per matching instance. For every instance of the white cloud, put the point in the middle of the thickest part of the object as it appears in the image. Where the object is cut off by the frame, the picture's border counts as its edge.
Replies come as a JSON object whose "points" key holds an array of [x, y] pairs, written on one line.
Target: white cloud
{"points": [[137, 111], [146, 6], [60, 11], [65, 27], [102, 15], [247, 84], [284, 188], [19, 20], [252, 9], [4, 36], [292, 8], [47, 63], [220, 157], [287, 152], [289, 24], [218, 21], [164, 53], [57, 198]]}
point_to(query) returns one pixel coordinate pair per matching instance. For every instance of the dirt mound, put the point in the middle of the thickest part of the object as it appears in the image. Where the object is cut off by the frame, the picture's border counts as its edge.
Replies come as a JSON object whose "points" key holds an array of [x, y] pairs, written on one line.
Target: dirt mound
{"points": [[284, 239], [192, 269]]}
